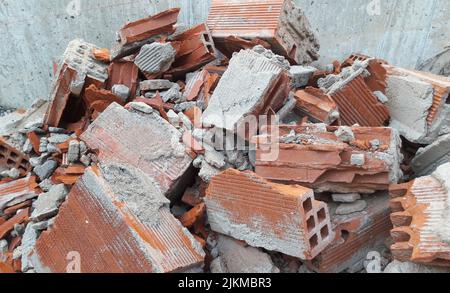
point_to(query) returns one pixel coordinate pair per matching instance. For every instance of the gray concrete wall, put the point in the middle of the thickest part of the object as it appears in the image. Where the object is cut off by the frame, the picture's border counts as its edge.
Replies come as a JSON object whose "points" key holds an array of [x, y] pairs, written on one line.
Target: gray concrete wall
{"points": [[35, 32]]}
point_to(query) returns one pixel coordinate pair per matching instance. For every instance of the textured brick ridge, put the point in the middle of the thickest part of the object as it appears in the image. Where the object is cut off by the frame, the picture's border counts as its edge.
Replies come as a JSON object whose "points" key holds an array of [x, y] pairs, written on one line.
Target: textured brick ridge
{"points": [[94, 217], [276, 217], [358, 105], [418, 209]]}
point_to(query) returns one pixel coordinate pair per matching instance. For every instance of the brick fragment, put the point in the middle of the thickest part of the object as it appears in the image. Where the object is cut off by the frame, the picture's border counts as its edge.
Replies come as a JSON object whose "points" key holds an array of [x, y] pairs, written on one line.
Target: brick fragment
{"points": [[276, 217], [317, 105], [420, 212], [123, 71], [99, 99], [78, 69], [19, 218], [195, 48], [320, 160], [10, 157], [356, 236], [16, 192], [419, 104], [145, 237], [194, 215], [270, 20], [144, 31], [117, 132], [252, 84]]}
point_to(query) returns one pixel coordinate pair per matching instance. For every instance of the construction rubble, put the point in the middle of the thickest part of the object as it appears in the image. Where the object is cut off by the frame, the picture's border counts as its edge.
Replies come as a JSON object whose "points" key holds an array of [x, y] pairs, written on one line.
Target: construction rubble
{"points": [[226, 148]]}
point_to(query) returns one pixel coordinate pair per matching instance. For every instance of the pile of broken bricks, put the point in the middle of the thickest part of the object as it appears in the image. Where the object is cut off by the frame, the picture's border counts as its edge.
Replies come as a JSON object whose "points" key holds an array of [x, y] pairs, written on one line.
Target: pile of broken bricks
{"points": [[145, 158]]}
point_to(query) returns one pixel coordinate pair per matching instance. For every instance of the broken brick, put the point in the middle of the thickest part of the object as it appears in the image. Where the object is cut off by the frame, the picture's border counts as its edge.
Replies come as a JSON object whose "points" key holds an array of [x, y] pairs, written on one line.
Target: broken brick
{"points": [[322, 161], [356, 235], [270, 20], [317, 105], [10, 158], [276, 217], [195, 48], [135, 243], [144, 31], [194, 215], [117, 132], [420, 212], [19, 218]]}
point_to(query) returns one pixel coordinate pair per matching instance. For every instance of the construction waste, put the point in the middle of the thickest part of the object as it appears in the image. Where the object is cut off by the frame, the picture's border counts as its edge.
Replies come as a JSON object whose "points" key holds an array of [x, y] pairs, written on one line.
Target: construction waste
{"points": [[222, 149]]}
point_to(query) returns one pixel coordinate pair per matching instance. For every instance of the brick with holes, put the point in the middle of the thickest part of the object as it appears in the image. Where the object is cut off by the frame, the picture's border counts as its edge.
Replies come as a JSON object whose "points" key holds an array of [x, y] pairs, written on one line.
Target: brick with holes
{"points": [[10, 158], [276, 217]]}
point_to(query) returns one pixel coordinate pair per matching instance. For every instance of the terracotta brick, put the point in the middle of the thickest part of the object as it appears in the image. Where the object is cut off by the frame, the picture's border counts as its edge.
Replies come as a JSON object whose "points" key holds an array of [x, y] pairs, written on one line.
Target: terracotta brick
{"points": [[162, 23], [276, 217], [427, 109], [78, 70], [323, 162], [20, 218], [10, 158], [358, 105], [18, 191], [102, 225], [35, 141], [317, 105], [101, 54], [99, 99], [124, 72], [356, 235], [117, 134], [195, 48], [6, 268], [194, 215], [12, 210], [419, 212], [192, 197], [268, 20]]}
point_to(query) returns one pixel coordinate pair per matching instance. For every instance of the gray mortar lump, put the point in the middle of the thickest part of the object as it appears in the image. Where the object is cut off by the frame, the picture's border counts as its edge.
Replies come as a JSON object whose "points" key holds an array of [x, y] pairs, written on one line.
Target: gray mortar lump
{"points": [[140, 193]]}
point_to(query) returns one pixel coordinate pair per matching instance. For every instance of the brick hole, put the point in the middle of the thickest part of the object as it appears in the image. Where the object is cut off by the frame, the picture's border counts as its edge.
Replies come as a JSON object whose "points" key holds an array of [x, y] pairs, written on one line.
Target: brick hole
{"points": [[324, 232], [321, 215], [207, 39], [307, 205], [448, 100], [2, 149], [2, 157], [10, 163], [210, 48], [345, 235], [22, 169], [14, 155], [310, 224], [314, 241], [24, 163]]}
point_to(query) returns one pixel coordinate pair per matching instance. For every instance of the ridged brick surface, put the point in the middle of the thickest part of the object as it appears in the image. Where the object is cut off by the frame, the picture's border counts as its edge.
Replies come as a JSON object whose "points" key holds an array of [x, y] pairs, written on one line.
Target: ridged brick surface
{"points": [[277, 217], [110, 238], [417, 207]]}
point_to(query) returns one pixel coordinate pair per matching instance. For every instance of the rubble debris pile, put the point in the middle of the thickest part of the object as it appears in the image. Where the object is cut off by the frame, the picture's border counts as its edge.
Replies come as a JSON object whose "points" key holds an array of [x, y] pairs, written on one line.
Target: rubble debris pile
{"points": [[221, 148]]}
